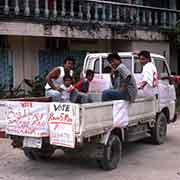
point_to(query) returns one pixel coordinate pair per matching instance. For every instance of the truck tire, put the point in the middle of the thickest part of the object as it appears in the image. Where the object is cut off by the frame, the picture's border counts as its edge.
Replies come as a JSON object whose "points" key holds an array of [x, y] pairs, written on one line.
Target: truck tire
{"points": [[159, 131], [38, 154], [112, 153]]}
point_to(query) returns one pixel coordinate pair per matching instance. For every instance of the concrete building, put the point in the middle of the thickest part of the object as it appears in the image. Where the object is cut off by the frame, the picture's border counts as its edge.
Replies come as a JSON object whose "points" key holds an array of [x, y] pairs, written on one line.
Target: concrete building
{"points": [[35, 35]]}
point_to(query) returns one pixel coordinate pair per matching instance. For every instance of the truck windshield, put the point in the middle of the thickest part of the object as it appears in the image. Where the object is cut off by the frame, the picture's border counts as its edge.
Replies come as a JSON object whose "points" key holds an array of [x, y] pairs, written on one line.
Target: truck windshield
{"points": [[126, 60]]}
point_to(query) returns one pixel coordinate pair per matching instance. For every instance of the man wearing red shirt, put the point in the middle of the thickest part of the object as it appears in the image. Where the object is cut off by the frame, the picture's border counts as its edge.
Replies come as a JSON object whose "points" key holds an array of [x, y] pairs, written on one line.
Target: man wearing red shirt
{"points": [[78, 94], [83, 85]]}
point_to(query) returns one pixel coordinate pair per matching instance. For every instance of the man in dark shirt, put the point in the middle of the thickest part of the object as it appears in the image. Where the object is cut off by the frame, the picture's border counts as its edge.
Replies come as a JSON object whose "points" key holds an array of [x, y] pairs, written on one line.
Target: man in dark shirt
{"points": [[124, 84]]}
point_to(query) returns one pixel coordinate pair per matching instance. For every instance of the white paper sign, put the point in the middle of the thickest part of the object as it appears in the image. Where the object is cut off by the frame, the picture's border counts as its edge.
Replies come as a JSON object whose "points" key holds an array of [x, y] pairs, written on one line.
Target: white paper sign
{"points": [[100, 83], [27, 119], [62, 119], [3, 115], [120, 113]]}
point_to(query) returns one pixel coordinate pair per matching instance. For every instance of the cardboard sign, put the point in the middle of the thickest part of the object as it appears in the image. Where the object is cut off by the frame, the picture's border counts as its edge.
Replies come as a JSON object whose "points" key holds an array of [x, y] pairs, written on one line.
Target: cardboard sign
{"points": [[100, 83], [27, 119], [62, 119]]}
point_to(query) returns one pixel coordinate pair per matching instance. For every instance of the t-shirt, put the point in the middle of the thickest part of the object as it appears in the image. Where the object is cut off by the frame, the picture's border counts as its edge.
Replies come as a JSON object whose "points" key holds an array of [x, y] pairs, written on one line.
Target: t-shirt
{"points": [[149, 75], [82, 85], [121, 73]]}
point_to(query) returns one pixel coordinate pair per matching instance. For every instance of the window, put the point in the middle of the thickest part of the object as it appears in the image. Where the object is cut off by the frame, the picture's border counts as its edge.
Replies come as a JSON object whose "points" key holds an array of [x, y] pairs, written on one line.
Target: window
{"points": [[6, 69], [97, 66], [127, 61], [106, 67], [137, 66], [161, 68]]}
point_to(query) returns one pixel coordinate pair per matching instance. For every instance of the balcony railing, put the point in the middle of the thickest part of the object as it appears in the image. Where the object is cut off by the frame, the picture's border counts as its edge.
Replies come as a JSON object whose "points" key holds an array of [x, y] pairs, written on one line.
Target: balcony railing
{"points": [[88, 11]]}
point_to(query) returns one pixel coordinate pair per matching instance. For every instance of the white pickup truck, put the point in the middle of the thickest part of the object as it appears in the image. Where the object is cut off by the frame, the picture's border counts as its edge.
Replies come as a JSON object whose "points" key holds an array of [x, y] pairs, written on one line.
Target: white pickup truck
{"points": [[94, 131]]}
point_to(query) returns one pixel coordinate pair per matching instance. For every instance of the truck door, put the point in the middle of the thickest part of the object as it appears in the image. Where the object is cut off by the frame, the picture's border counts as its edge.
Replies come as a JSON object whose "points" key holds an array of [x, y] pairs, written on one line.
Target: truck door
{"points": [[163, 82]]}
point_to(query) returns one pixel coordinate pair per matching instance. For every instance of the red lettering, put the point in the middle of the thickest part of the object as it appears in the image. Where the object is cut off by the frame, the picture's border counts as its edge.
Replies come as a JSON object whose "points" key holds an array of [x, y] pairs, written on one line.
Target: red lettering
{"points": [[155, 79], [26, 104]]}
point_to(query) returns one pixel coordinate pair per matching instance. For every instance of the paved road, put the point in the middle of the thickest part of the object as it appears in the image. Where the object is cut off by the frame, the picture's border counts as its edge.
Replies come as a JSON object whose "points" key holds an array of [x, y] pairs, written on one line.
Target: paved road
{"points": [[141, 161]]}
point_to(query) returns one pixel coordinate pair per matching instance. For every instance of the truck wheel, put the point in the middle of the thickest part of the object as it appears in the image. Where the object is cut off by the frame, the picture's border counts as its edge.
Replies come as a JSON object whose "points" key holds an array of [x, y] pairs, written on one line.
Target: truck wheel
{"points": [[159, 131], [111, 153], [38, 154]]}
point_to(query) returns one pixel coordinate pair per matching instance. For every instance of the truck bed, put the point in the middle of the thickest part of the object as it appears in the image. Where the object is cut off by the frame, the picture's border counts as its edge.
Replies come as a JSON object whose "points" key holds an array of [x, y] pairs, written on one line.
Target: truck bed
{"points": [[96, 118]]}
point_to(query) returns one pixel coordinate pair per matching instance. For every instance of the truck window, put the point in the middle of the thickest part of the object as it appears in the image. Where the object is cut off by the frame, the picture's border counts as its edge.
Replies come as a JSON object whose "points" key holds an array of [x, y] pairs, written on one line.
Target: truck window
{"points": [[97, 66], [127, 61], [137, 66], [161, 68], [89, 62], [106, 67]]}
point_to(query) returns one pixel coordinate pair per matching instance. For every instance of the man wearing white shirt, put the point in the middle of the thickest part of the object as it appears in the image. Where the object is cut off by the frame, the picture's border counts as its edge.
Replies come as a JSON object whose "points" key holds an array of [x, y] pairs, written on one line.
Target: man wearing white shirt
{"points": [[55, 79], [148, 84]]}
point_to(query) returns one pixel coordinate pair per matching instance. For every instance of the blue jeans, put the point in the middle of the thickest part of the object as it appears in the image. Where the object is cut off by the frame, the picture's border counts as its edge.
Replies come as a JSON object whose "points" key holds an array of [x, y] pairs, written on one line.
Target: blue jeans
{"points": [[79, 97], [112, 94], [56, 95]]}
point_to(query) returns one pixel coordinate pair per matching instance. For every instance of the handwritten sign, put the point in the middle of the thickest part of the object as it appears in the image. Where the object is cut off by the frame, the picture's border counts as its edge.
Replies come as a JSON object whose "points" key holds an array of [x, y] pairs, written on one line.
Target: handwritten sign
{"points": [[100, 83], [62, 119], [3, 115], [27, 119]]}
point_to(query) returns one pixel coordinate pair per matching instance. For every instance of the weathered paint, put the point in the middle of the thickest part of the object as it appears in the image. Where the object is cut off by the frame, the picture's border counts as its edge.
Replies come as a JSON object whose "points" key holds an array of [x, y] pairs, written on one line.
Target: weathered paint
{"points": [[86, 31], [25, 55]]}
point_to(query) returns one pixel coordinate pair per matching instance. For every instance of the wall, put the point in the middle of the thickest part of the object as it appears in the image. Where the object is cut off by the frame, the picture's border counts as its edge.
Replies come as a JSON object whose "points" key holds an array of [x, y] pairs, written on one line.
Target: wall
{"points": [[159, 47], [25, 55], [121, 45], [25, 51], [90, 45], [85, 32]]}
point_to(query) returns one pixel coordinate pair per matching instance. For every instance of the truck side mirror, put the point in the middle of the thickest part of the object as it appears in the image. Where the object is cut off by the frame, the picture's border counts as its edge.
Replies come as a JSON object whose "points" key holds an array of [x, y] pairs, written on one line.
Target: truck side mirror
{"points": [[172, 79]]}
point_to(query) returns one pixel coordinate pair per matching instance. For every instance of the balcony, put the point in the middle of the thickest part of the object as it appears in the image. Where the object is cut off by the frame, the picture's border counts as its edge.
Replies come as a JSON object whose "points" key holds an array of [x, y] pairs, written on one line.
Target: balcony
{"points": [[95, 12]]}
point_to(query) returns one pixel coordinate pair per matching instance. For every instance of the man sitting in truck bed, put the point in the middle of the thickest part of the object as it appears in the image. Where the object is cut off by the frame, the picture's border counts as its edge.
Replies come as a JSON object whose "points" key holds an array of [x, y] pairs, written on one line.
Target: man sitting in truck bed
{"points": [[149, 82], [55, 79], [81, 88], [124, 84]]}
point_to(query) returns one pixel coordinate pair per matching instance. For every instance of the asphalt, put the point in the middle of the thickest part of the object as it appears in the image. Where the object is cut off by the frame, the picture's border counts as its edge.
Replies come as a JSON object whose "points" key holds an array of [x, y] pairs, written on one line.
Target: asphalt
{"points": [[141, 161]]}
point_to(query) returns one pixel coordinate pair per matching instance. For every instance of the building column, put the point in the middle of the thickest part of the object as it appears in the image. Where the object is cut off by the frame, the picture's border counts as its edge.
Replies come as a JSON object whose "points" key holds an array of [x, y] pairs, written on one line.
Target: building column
{"points": [[173, 17], [172, 5]]}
